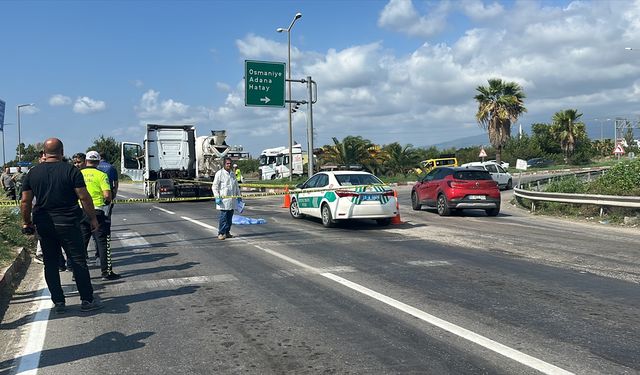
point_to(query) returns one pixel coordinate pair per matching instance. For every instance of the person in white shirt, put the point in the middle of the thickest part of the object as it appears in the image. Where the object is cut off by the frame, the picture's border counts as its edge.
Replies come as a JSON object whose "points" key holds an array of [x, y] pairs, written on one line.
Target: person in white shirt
{"points": [[227, 194]]}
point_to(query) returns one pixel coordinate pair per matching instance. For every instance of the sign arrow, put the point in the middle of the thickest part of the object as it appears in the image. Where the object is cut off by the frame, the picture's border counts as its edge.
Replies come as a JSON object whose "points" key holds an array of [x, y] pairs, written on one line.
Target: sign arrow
{"points": [[265, 99]]}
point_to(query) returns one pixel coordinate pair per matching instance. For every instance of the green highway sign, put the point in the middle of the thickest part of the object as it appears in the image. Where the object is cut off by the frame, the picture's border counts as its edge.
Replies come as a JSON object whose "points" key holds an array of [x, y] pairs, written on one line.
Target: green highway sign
{"points": [[264, 83]]}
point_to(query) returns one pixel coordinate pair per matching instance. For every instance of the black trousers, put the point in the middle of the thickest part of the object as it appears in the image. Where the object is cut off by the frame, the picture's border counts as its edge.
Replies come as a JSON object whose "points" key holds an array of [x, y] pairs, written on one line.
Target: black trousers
{"points": [[68, 237]]}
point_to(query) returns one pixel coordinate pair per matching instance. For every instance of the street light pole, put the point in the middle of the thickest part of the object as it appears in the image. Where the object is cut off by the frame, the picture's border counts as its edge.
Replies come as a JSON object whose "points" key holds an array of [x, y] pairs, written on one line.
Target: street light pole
{"points": [[288, 30], [4, 160], [19, 141]]}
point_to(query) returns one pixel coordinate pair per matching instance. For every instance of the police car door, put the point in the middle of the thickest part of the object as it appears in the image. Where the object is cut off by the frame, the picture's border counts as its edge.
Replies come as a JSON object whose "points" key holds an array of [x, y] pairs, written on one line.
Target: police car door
{"points": [[304, 198], [318, 193]]}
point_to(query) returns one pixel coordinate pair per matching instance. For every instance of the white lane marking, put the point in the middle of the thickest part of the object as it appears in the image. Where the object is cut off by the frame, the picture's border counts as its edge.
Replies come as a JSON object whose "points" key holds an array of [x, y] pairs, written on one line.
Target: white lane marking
{"points": [[199, 223], [485, 342], [164, 210], [504, 350], [131, 240], [429, 263], [30, 356], [169, 283], [122, 196]]}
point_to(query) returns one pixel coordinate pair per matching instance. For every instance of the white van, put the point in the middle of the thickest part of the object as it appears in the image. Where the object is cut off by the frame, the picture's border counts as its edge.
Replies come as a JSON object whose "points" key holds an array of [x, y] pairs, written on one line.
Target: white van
{"points": [[499, 174]]}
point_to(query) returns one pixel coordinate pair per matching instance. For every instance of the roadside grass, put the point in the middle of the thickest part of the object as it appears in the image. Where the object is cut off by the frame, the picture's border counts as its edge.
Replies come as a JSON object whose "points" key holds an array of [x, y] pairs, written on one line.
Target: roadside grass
{"points": [[11, 236], [622, 179]]}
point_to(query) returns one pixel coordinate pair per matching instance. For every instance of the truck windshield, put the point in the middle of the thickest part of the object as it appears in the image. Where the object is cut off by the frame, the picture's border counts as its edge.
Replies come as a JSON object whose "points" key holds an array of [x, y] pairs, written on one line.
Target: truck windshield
{"points": [[267, 160]]}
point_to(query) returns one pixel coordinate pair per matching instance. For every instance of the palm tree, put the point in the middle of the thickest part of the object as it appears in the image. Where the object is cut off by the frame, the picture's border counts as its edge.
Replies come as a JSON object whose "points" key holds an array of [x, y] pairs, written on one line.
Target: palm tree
{"points": [[499, 105], [399, 159], [352, 150], [567, 128]]}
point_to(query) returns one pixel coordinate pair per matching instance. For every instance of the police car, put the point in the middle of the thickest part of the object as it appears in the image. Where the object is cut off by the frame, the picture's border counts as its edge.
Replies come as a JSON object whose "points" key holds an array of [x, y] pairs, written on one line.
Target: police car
{"points": [[344, 195]]}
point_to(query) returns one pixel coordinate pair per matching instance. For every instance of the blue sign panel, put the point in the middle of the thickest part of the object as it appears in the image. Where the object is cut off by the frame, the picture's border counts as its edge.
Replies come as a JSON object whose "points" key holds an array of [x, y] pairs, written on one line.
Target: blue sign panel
{"points": [[2, 103], [24, 164]]}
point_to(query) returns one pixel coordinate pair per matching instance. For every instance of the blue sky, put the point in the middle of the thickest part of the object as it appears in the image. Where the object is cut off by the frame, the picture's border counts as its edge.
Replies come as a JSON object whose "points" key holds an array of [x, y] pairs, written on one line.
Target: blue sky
{"points": [[389, 71]]}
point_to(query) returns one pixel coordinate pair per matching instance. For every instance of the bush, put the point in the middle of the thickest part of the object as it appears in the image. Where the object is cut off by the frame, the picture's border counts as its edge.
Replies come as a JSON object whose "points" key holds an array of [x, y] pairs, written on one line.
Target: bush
{"points": [[622, 179], [11, 235]]}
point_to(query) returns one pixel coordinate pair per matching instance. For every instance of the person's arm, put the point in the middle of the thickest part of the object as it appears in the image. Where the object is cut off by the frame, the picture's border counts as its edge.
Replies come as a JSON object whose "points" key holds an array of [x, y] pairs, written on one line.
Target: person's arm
{"points": [[106, 194], [25, 208], [115, 188], [87, 206]]}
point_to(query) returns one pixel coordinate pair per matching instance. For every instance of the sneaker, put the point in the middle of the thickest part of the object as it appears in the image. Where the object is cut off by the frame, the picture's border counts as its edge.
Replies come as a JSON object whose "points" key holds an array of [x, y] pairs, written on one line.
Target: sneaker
{"points": [[59, 308], [38, 259], [229, 235], [221, 236], [110, 276], [91, 306]]}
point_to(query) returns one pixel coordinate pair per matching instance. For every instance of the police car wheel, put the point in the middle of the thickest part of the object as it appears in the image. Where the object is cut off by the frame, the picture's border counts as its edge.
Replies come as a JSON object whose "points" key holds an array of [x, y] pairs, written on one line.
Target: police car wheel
{"points": [[294, 210], [327, 219]]}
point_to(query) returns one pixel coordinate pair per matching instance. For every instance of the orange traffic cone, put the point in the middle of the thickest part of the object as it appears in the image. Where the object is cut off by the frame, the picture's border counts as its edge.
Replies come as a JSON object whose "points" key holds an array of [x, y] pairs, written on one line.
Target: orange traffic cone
{"points": [[287, 198], [396, 219]]}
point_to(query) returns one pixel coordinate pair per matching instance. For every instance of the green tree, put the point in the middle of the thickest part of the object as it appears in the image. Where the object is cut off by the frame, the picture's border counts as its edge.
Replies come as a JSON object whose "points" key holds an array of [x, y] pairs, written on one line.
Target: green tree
{"points": [[545, 139], [568, 129], [31, 153], [524, 147], [352, 150], [110, 147], [499, 105], [399, 159]]}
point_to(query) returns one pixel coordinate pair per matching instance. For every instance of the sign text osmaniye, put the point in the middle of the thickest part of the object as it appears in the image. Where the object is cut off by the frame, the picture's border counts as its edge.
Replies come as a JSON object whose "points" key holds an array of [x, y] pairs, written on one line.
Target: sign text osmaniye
{"points": [[264, 83]]}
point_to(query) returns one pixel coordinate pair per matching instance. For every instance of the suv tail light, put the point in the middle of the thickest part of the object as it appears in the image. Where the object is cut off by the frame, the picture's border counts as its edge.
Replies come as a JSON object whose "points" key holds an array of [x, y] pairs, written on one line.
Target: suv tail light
{"points": [[457, 184]]}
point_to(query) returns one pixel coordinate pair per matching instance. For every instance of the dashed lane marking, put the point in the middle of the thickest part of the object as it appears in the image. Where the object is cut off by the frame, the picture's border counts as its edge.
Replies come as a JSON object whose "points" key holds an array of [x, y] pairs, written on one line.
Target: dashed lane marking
{"points": [[164, 210]]}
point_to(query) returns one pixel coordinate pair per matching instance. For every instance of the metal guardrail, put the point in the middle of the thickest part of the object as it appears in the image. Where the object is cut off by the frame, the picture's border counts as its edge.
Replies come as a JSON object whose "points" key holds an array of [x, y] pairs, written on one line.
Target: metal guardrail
{"points": [[598, 200]]}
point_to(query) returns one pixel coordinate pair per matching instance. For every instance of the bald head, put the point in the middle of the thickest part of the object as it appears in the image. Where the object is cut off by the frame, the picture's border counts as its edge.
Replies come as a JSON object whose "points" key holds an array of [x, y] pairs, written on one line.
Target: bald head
{"points": [[53, 147]]}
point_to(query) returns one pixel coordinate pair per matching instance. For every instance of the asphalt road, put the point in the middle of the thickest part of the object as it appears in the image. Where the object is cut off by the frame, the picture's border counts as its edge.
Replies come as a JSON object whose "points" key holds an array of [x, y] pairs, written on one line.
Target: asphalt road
{"points": [[466, 294]]}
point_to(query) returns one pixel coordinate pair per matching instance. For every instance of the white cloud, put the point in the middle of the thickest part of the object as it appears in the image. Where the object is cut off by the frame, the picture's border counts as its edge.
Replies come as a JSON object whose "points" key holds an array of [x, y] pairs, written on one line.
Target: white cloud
{"points": [[150, 109], [85, 105], [401, 15], [59, 100]]}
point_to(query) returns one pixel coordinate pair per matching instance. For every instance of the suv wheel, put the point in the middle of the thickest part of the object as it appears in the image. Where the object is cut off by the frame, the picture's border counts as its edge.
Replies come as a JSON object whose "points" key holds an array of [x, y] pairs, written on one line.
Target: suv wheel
{"points": [[443, 206], [415, 203]]}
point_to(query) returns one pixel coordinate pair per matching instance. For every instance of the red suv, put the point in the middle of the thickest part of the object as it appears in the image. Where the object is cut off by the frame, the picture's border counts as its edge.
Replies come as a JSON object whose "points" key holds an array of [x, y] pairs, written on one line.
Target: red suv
{"points": [[456, 188]]}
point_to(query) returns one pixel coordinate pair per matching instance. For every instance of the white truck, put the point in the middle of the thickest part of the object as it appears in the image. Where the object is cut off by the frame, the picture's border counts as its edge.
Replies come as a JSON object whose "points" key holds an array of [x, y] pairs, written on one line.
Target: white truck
{"points": [[173, 161], [274, 162]]}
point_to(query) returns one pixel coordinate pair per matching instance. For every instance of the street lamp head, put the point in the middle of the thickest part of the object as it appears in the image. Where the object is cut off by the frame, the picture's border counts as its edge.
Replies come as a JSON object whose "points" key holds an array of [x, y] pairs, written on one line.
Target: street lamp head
{"points": [[298, 15], [280, 30]]}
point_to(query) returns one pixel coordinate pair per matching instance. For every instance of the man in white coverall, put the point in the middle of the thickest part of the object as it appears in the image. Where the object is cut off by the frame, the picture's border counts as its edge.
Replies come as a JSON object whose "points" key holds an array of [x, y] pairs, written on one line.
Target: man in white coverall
{"points": [[225, 185]]}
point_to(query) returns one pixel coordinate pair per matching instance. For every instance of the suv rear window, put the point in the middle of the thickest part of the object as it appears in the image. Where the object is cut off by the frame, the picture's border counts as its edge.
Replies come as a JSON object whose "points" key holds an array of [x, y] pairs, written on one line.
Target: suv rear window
{"points": [[472, 175]]}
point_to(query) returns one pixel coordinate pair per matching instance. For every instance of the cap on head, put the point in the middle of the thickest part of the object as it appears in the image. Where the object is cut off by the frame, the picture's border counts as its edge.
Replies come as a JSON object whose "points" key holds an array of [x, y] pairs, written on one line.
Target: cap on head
{"points": [[93, 156], [235, 165]]}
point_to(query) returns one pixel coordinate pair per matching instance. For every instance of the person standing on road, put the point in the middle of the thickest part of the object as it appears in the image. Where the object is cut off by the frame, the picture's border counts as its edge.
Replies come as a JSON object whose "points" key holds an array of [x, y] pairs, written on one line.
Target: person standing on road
{"points": [[227, 194], [8, 185], [100, 192], [111, 171], [57, 186], [238, 173], [18, 178]]}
